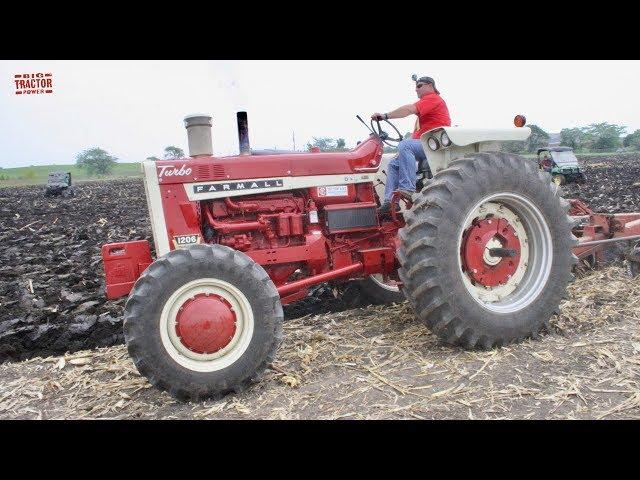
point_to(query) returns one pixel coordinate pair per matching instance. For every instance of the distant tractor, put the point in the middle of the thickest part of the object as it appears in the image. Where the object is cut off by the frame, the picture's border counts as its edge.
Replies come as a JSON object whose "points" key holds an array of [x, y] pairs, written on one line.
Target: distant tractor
{"points": [[59, 183], [561, 163]]}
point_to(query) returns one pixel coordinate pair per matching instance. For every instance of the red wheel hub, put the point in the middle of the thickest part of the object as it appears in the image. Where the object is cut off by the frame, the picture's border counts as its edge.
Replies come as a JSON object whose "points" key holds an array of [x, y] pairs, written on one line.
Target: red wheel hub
{"points": [[206, 323], [482, 235]]}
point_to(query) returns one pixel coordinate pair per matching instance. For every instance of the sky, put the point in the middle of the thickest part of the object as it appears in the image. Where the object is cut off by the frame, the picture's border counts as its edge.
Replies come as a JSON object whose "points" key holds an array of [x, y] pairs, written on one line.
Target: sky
{"points": [[134, 109]]}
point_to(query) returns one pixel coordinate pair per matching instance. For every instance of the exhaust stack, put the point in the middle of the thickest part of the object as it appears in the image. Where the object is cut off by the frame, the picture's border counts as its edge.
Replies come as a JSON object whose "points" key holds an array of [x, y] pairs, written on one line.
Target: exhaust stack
{"points": [[243, 133], [199, 134]]}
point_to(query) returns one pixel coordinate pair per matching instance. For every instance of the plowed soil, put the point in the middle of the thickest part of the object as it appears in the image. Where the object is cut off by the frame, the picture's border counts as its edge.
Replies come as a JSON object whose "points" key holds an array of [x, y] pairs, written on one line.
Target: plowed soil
{"points": [[612, 186]]}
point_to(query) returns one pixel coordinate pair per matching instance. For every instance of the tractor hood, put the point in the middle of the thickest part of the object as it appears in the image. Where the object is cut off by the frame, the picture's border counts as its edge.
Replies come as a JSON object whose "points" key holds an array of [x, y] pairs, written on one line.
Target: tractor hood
{"points": [[466, 136]]}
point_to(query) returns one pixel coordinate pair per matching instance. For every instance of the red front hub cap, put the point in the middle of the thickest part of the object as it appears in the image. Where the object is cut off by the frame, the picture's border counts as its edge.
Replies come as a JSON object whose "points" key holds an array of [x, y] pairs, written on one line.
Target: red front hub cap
{"points": [[206, 323], [483, 235]]}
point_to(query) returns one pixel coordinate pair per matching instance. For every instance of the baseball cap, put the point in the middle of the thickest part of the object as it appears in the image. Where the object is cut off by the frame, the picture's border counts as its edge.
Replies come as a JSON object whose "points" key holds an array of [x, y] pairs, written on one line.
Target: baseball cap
{"points": [[425, 80]]}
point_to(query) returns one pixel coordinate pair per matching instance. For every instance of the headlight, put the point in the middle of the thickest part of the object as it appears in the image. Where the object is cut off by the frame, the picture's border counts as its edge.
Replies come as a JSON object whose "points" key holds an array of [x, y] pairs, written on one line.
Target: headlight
{"points": [[445, 140], [433, 143]]}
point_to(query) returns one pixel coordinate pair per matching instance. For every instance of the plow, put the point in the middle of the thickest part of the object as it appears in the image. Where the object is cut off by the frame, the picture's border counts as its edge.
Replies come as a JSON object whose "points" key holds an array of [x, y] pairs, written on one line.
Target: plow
{"points": [[483, 252], [595, 232]]}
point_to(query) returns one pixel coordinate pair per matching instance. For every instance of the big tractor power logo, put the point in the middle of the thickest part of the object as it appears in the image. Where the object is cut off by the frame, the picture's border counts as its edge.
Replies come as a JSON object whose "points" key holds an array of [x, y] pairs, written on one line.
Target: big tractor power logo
{"points": [[33, 83]]}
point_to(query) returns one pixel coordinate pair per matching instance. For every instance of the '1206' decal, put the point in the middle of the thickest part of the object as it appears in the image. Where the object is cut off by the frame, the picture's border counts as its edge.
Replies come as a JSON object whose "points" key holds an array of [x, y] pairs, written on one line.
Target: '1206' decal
{"points": [[185, 240]]}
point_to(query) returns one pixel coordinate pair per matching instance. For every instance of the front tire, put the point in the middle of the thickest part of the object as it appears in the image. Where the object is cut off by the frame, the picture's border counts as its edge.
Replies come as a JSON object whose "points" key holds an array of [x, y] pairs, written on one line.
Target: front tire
{"points": [[203, 322], [559, 179], [464, 293]]}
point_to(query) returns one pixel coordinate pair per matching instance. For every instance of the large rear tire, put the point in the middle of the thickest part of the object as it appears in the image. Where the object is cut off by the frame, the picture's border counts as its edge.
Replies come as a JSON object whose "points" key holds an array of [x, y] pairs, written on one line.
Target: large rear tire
{"points": [[203, 322], [486, 251]]}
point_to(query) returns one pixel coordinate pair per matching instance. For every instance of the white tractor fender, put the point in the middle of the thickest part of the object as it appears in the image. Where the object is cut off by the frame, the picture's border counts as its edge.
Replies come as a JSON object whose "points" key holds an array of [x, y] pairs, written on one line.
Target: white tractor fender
{"points": [[467, 140], [463, 142], [466, 136]]}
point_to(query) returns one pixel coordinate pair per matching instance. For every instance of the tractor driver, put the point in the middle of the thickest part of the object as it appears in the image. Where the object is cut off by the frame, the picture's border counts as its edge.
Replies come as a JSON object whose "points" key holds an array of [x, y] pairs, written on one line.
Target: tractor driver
{"points": [[432, 112]]}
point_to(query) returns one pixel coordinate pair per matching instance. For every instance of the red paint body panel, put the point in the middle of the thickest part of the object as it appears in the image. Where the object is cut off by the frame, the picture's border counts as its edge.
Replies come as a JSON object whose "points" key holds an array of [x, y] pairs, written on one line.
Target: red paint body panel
{"points": [[182, 216], [374, 257], [364, 158], [123, 263]]}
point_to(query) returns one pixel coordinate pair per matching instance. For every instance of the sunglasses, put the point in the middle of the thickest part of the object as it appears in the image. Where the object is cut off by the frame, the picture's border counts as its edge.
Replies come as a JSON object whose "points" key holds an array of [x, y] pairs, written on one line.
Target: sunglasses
{"points": [[420, 85]]}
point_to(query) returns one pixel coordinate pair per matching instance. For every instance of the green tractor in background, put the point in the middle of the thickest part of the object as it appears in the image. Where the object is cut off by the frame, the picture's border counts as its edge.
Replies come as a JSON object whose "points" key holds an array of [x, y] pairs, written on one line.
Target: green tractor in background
{"points": [[59, 183], [561, 163]]}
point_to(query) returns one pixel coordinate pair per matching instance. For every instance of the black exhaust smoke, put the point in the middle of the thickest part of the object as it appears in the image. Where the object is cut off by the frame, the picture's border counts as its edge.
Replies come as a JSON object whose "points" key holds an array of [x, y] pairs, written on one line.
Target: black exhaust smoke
{"points": [[243, 133]]}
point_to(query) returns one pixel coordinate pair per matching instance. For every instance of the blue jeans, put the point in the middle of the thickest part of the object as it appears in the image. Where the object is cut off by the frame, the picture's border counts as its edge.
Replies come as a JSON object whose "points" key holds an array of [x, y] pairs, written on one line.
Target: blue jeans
{"points": [[401, 171]]}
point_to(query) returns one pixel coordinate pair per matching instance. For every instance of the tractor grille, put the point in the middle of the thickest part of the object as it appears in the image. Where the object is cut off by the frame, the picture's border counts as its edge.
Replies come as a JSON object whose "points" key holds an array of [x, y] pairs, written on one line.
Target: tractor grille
{"points": [[210, 172], [351, 216], [218, 172]]}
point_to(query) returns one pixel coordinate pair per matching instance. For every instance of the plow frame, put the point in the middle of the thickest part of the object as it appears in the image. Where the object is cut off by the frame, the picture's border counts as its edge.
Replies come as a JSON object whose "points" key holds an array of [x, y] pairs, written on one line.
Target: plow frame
{"points": [[595, 231]]}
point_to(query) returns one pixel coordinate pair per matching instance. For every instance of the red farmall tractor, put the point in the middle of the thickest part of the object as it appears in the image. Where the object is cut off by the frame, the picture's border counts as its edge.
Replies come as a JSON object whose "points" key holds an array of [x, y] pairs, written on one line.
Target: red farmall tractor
{"points": [[483, 252]]}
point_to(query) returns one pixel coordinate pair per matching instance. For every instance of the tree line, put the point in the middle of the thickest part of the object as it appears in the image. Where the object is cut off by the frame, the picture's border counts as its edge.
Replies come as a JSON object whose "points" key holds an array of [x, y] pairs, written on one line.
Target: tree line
{"points": [[99, 162], [597, 137], [327, 144]]}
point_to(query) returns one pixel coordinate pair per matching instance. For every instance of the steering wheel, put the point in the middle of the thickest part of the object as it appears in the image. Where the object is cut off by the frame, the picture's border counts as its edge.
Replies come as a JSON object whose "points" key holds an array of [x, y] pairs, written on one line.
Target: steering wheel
{"points": [[384, 136]]}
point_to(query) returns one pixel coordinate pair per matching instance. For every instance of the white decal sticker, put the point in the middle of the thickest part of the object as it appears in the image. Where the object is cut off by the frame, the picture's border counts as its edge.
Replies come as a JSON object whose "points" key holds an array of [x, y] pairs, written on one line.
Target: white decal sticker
{"points": [[180, 241], [333, 191], [173, 171]]}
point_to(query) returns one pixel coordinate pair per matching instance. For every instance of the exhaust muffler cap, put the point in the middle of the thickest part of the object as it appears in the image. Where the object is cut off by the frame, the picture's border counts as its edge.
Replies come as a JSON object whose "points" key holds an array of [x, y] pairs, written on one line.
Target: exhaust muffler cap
{"points": [[197, 119], [198, 127]]}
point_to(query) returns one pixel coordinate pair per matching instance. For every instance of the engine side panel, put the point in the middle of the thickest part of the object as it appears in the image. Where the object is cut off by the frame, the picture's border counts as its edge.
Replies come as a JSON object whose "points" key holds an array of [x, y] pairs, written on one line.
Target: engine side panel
{"points": [[296, 226]]}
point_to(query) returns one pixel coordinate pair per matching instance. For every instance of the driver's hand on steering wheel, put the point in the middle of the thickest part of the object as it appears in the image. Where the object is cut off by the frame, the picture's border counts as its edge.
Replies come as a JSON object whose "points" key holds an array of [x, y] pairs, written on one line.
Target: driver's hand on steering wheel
{"points": [[377, 116]]}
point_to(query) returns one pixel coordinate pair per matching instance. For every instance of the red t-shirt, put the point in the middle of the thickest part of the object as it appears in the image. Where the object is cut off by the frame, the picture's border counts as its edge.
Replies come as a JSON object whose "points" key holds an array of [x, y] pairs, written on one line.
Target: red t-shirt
{"points": [[432, 113]]}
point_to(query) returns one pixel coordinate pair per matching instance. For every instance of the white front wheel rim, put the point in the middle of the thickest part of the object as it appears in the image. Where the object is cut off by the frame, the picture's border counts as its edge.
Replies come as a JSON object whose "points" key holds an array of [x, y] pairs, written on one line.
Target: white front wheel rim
{"points": [[207, 362]]}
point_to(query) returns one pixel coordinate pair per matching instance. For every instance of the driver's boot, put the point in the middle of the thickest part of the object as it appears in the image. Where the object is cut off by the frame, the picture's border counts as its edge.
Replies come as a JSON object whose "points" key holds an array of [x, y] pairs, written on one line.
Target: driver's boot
{"points": [[407, 194], [386, 208]]}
